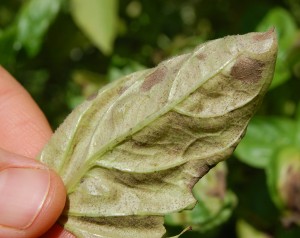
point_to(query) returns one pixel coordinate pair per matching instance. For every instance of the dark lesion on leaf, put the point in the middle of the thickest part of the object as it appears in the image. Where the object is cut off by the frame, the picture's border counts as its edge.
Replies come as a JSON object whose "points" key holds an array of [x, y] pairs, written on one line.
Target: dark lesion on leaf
{"points": [[200, 171], [123, 89], [291, 190], [154, 78], [219, 190], [247, 70], [264, 35], [92, 96], [201, 56]]}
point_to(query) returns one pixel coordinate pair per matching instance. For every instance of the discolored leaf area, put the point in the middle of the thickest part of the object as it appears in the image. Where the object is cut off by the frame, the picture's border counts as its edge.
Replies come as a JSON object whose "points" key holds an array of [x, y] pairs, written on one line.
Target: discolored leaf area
{"points": [[215, 203], [133, 153]]}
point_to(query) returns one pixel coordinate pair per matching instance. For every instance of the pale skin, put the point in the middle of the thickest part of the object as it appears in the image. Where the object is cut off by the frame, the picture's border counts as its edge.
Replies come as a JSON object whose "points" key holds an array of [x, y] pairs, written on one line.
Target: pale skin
{"points": [[24, 131]]}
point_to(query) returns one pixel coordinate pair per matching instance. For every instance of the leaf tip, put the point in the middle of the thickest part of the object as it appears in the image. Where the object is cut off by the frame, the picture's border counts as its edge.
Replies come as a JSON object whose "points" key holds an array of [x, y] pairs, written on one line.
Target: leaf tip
{"points": [[267, 35]]}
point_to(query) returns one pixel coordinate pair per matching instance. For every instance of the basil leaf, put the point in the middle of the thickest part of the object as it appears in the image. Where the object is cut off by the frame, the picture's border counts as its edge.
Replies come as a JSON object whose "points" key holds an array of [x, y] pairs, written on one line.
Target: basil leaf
{"points": [[133, 153], [98, 21]]}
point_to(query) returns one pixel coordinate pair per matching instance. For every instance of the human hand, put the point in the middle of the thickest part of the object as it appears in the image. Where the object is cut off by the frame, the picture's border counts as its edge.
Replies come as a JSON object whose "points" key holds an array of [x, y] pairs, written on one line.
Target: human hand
{"points": [[31, 195]]}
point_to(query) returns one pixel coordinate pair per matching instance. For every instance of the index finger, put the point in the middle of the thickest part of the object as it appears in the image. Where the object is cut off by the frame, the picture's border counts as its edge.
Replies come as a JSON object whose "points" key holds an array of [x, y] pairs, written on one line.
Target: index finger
{"points": [[24, 128]]}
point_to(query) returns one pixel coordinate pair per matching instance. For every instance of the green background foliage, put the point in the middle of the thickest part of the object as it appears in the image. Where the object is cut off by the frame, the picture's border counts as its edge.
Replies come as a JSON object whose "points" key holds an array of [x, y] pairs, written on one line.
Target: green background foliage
{"points": [[63, 51]]}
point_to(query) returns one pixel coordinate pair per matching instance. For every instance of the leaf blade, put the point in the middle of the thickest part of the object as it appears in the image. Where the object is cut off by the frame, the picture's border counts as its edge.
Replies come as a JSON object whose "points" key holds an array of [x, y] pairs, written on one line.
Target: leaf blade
{"points": [[116, 227], [150, 136]]}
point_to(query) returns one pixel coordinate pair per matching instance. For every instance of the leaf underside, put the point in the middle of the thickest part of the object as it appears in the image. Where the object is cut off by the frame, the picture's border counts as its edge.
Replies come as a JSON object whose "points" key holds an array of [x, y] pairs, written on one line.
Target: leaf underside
{"points": [[133, 153], [215, 203]]}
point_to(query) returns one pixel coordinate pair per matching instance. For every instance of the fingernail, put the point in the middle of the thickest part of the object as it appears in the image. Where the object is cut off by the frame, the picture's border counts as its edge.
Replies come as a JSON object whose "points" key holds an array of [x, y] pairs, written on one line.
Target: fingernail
{"points": [[22, 194]]}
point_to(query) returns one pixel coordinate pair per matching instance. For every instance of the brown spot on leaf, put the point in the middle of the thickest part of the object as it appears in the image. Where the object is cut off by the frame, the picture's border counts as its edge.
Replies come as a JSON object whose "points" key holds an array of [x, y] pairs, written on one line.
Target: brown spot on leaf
{"points": [[154, 78], [200, 172], [291, 195], [122, 90], [220, 189], [292, 189], [92, 96], [247, 70], [264, 36], [201, 56]]}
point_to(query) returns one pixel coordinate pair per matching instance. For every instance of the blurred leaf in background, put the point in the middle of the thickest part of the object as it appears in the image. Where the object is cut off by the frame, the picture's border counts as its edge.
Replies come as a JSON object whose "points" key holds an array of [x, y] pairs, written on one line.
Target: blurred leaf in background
{"points": [[98, 20], [28, 28], [283, 176], [265, 136], [245, 230], [33, 22], [272, 143]]}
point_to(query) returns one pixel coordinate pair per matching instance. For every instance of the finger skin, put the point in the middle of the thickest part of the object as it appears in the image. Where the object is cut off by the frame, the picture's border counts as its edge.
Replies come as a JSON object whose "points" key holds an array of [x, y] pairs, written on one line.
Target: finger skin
{"points": [[58, 232], [51, 208], [24, 130]]}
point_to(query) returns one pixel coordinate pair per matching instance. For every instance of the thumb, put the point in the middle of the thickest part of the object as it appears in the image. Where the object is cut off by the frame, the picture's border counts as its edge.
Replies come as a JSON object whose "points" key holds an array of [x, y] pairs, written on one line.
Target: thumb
{"points": [[32, 196]]}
